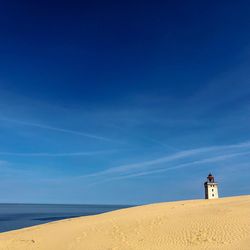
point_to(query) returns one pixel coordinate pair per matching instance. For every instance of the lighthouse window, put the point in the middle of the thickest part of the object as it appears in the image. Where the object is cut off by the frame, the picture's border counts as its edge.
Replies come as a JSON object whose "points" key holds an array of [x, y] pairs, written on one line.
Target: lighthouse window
{"points": [[212, 194], [212, 190]]}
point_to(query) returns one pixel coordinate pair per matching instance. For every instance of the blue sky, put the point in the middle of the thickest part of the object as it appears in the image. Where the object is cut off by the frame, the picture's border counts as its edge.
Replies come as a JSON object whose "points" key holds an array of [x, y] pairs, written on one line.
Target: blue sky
{"points": [[123, 103]]}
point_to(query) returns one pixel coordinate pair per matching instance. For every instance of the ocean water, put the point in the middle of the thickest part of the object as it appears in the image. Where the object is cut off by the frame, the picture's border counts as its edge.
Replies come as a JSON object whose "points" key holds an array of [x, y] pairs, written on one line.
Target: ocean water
{"points": [[16, 216]]}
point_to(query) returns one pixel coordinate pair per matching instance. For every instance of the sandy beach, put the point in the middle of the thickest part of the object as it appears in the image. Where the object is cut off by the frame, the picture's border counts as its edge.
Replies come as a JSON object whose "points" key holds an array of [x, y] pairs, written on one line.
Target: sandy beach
{"points": [[195, 224]]}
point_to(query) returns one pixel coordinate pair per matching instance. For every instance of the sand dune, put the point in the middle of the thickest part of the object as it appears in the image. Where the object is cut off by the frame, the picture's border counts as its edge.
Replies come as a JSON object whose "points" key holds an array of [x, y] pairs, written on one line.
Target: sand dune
{"points": [[198, 224]]}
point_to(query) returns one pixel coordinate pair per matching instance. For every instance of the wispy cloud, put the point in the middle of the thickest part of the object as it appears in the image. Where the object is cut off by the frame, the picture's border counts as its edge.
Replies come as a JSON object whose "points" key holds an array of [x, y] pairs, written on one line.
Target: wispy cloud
{"points": [[62, 130], [45, 154], [186, 158], [184, 165]]}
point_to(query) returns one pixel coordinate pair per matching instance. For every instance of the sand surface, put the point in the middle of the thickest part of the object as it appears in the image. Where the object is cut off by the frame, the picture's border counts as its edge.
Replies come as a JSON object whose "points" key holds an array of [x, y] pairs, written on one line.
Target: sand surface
{"points": [[199, 224]]}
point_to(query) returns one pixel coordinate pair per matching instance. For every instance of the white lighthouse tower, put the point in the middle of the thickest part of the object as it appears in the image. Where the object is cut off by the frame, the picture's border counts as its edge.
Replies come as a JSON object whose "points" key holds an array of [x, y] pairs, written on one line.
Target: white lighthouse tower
{"points": [[211, 188]]}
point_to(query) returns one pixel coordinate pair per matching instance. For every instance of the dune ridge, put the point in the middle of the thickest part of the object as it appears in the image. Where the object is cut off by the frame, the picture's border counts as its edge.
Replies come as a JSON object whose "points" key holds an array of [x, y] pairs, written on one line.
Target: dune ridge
{"points": [[195, 224]]}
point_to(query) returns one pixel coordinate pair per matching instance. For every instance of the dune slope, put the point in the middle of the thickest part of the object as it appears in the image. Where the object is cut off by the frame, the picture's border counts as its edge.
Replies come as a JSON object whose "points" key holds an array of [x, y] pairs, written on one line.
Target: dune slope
{"points": [[199, 224]]}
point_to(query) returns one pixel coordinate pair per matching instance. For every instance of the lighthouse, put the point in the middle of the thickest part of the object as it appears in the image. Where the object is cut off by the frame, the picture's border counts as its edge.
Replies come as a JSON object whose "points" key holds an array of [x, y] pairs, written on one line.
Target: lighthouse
{"points": [[211, 188]]}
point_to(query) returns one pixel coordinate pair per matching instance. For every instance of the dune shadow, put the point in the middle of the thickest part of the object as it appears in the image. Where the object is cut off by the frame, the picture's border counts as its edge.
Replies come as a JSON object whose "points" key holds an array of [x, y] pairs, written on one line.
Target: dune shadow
{"points": [[53, 218]]}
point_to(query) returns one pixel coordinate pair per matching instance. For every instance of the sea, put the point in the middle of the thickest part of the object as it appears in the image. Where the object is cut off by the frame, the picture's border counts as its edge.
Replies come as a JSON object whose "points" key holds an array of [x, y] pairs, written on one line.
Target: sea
{"points": [[17, 216]]}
